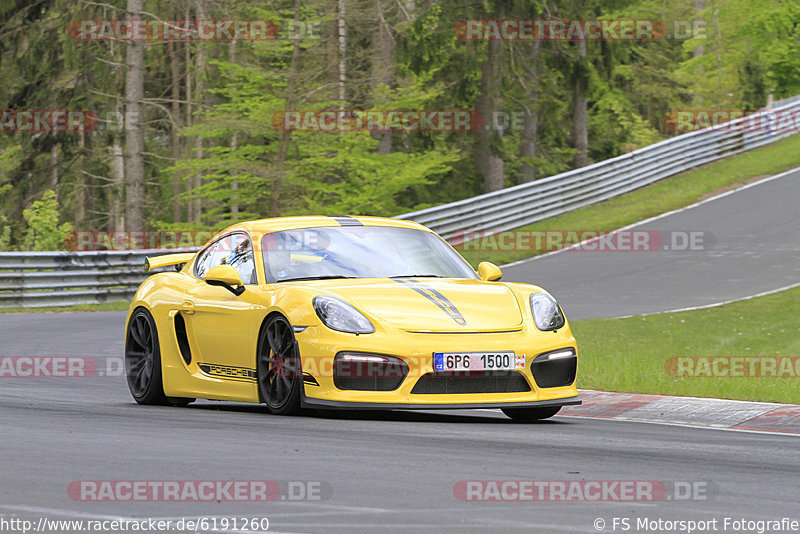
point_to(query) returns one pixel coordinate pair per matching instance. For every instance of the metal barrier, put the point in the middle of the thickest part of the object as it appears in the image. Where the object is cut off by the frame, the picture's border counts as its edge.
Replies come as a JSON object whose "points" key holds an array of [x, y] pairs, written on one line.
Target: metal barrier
{"points": [[40, 279], [527, 203]]}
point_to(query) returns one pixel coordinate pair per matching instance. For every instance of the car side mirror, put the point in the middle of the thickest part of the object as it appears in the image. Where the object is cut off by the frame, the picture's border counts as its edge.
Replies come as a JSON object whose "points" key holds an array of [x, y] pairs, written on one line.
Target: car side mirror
{"points": [[489, 272], [227, 277]]}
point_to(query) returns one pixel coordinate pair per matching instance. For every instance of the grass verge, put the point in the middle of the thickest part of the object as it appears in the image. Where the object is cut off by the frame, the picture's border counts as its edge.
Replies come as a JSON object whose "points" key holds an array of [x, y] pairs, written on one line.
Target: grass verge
{"points": [[106, 306], [633, 354], [665, 195]]}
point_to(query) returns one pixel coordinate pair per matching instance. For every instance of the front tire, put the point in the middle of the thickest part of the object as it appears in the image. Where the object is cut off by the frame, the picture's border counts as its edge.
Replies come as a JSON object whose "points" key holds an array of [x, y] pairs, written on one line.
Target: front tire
{"points": [[280, 379], [143, 359], [531, 414]]}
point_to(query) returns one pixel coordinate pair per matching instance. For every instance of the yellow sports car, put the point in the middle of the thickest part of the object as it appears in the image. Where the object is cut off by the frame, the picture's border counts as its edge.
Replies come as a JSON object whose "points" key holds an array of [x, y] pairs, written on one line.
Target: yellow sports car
{"points": [[345, 313]]}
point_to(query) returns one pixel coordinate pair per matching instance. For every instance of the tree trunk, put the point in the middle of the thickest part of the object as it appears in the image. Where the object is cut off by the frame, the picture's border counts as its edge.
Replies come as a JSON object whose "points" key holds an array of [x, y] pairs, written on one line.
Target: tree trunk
{"points": [[285, 136], [234, 182], [175, 71], [382, 68], [487, 162], [234, 139], [580, 119], [699, 6], [54, 167], [331, 36], [530, 131], [342, 53], [190, 205], [116, 211], [85, 197], [116, 214], [200, 66], [134, 136], [718, 38]]}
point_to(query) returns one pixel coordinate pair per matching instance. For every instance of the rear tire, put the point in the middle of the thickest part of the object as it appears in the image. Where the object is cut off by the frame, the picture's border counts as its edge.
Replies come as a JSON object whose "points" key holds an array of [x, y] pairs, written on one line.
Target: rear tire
{"points": [[280, 378], [143, 359], [531, 414]]}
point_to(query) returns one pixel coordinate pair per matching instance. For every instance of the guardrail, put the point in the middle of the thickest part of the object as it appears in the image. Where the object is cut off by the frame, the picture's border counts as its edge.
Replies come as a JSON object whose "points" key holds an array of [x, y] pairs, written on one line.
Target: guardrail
{"points": [[527, 203], [41, 279]]}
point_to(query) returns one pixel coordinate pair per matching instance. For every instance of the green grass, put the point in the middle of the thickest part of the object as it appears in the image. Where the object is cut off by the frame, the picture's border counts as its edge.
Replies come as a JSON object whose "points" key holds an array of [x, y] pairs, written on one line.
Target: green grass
{"points": [[631, 354], [107, 306], [665, 195]]}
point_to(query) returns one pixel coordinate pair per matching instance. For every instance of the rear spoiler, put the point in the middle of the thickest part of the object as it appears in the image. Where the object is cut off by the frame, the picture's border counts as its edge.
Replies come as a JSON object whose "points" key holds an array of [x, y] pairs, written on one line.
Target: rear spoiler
{"points": [[168, 259]]}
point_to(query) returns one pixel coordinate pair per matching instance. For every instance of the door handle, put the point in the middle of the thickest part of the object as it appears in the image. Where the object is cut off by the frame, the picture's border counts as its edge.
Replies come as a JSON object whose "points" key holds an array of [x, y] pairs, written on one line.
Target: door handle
{"points": [[187, 307]]}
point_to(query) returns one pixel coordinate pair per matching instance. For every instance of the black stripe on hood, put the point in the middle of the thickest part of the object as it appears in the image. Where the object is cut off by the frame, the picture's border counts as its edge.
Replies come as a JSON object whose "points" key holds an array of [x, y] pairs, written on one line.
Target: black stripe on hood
{"points": [[436, 297]]}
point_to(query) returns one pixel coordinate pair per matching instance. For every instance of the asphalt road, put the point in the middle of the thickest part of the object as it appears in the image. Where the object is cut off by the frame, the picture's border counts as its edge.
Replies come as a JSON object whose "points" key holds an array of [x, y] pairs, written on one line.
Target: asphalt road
{"points": [[747, 242], [391, 472]]}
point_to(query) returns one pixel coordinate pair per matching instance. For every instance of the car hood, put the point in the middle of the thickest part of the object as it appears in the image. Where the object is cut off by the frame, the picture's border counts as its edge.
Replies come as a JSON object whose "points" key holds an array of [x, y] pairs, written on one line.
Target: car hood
{"points": [[435, 305]]}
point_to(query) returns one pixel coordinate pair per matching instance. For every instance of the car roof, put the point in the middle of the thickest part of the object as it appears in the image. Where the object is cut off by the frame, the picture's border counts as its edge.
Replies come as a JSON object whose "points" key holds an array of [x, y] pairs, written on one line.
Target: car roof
{"points": [[277, 224]]}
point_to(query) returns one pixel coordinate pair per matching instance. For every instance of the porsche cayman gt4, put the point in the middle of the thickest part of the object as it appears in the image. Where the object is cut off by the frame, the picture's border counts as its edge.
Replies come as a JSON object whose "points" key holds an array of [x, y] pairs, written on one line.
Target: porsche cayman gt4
{"points": [[345, 313]]}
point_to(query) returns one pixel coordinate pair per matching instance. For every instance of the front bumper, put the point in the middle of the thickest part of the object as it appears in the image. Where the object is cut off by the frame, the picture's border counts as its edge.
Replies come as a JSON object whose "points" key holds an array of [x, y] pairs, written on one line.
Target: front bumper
{"points": [[318, 345], [346, 405]]}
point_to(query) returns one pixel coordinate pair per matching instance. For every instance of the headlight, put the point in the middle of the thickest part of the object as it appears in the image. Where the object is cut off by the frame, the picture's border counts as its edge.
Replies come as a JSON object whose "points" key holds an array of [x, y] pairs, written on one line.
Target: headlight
{"points": [[339, 315], [546, 313]]}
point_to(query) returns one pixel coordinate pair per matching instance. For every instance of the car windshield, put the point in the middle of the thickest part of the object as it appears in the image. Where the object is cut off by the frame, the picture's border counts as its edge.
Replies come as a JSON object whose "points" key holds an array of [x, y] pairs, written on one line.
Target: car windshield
{"points": [[359, 252]]}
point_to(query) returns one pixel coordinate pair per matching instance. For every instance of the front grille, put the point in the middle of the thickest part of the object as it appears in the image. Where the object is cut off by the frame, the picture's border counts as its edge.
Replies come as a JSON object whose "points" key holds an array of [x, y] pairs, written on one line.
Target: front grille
{"points": [[376, 372], [470, 382], [463, 332]]}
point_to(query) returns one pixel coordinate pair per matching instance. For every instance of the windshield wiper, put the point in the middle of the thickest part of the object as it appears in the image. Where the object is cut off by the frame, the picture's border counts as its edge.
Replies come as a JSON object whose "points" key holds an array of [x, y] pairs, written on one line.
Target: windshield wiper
{"points": [[418, 276], [321, 277]]}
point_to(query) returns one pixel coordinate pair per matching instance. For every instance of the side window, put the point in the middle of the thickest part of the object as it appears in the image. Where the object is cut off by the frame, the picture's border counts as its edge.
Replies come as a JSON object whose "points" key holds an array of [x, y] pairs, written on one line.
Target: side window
{"points": [[203, 263], [235, 250], [240, 255]]}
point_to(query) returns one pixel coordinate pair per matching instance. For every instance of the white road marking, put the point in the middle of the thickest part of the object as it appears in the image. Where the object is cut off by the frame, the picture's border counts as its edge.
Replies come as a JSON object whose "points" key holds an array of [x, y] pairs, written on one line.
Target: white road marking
{"points": [[661, 216], [715, 304], [684, 425]]}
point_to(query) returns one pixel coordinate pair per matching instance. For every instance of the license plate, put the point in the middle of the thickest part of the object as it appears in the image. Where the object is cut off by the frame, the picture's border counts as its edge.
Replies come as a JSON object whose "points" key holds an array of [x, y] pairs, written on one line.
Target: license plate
{"points": [[477, 361]]}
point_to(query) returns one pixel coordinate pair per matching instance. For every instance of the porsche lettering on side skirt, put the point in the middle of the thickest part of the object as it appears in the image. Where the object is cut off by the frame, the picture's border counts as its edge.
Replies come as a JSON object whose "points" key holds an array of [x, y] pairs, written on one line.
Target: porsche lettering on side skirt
{"points": [[225, 371]]}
